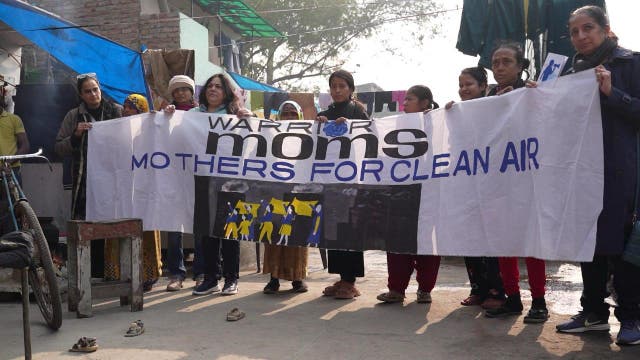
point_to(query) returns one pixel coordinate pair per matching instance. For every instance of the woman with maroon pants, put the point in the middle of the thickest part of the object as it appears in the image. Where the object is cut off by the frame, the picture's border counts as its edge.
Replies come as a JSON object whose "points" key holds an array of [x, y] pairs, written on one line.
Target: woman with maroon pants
{"points": [[400, 266]]}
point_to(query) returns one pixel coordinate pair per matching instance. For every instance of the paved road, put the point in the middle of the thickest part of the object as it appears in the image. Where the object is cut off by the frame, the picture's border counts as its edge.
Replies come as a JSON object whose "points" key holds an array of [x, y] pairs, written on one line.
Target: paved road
{"points": [[308, 326]]}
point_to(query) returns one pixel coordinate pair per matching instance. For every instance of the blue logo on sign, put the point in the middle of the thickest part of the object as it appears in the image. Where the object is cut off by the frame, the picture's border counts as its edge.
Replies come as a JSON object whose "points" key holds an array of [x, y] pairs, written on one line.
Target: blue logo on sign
{"points": [[334, 129]]}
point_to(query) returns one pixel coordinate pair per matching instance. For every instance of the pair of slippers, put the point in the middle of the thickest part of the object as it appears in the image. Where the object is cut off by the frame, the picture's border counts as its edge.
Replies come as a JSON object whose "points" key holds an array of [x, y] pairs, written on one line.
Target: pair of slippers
{"points": [[235, 314], [85, 345], [89, 344]]}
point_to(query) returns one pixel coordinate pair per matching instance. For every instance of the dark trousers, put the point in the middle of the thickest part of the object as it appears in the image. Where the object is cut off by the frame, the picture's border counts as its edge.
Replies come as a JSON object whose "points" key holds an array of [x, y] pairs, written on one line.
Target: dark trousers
{"points": [[175, 255], [626, 282], [349, 264], [221, 258], [484, 276]]}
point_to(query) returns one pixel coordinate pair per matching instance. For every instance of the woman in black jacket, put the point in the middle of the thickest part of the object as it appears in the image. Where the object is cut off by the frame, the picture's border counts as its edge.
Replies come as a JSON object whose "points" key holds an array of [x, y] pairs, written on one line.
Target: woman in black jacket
{"points": [[507, 64], [617, 71], [349, 264]]}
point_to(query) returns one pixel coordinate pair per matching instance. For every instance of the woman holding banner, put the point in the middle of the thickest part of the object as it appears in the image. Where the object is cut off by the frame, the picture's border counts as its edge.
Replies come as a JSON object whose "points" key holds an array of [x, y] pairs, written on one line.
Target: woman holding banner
{"points": [[508, 63], [182, 90], [400, 266], [349, 264], [217, 97], [484, 272], [72, 140], [617, 72], [286, 262]]}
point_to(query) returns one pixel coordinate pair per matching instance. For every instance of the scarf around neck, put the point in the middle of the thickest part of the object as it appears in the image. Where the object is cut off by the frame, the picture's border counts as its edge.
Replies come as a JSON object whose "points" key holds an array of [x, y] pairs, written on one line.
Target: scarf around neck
{"points": [[599, 56]]}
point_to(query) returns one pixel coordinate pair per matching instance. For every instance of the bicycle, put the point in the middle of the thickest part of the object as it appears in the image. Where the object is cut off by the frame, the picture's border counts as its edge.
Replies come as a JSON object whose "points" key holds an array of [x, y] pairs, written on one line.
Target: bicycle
{"points": [[42, 276]]}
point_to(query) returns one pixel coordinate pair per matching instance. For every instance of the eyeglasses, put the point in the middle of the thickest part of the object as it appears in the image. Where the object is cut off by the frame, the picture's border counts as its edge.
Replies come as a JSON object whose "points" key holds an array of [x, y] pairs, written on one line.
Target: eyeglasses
{"points": [[86, 75]]}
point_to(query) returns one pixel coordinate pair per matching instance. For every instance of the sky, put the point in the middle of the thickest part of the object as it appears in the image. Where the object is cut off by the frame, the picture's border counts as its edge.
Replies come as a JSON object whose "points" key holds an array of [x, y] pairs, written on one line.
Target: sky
{"points": [[438, 63]]}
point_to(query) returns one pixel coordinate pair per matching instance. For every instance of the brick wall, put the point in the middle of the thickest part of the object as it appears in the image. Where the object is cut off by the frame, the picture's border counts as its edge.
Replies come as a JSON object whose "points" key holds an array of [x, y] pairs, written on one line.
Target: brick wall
{"points": [[117, 20], [120, 21]]}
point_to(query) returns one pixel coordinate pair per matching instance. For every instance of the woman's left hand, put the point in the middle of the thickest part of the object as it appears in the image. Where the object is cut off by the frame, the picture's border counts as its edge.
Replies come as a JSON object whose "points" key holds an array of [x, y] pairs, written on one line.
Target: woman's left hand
{"points": [[604, 79], [531, 84], [504, 90], [244, 113], [341, 119]]}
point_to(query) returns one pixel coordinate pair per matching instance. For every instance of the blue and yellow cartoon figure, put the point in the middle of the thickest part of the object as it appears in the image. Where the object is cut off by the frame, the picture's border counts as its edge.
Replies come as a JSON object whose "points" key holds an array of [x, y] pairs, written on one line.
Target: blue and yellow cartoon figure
{"points": [[231, 226], [285, 226], [266, 223], [245, 226], [314, 236]]}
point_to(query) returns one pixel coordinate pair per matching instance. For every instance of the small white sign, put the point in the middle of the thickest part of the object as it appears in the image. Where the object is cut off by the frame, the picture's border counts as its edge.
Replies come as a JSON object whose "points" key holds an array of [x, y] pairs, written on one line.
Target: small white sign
{"points": [[551, 69]]}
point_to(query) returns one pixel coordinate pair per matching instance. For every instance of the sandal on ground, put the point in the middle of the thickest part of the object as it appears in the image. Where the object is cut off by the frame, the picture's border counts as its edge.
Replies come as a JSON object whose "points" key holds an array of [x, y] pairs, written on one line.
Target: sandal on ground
{"points": [[135, 328], [235, 314], [299, 286], [85, 344], [391, 297], [333, 289], [472, 300], [347, 291]]}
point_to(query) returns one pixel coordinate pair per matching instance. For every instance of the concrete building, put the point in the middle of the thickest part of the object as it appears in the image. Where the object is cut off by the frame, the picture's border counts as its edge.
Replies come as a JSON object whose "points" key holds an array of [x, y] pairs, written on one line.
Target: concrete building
{"points": [[202, 25]]}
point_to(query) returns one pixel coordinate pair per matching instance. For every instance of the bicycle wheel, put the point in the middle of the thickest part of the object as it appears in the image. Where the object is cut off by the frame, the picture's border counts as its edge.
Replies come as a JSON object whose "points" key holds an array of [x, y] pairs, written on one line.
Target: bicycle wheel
{"points": [[42, 276]]}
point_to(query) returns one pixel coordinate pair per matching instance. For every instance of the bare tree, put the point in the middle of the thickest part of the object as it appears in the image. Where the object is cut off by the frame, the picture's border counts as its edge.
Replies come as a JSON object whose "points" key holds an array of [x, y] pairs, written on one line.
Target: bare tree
{"points": [[320, 35]]}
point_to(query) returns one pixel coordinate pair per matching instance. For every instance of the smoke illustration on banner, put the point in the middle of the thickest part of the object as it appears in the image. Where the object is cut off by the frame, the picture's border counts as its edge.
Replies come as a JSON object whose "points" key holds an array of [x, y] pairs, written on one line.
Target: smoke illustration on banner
{"points": [[515, 175]]}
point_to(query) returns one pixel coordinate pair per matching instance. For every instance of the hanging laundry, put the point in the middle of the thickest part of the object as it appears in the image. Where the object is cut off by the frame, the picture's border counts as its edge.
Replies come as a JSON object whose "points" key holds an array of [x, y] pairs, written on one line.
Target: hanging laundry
{"points": [[272, 101], [324, 100], [368, 99], [398, 96], [257, 100], [382, 98]]}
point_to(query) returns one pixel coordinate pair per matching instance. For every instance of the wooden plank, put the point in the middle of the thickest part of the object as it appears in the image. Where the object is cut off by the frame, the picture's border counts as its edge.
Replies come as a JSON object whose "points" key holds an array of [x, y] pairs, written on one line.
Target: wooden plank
{"points": [[110, 289], [136, 272], [73, 293], [108, 229], [125, 269], [84, 279]]}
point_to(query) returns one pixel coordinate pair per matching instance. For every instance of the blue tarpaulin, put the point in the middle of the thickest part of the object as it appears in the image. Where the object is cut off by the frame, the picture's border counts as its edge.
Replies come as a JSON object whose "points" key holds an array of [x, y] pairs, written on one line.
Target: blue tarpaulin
{"points": [[118, 68], [250, 84]]}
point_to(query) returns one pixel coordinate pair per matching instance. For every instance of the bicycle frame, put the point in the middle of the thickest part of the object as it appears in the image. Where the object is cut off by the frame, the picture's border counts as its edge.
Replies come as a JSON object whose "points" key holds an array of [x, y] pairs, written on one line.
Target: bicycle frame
{"points": [[41, 273], [13, 190], [12, 187]]}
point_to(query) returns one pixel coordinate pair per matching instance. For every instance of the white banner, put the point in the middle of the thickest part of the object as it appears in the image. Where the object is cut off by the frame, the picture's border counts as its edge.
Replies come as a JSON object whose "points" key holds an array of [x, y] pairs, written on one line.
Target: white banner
{"points": [[514, 175]]}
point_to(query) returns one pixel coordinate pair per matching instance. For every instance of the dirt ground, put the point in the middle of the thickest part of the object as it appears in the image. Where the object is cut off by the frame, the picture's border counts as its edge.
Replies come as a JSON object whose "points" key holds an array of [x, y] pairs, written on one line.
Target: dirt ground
{"points": [[309, 326]]}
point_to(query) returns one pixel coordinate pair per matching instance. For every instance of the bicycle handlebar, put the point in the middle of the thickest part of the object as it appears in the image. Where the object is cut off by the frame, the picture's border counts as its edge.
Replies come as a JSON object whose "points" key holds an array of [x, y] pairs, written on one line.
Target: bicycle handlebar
{"points": [[37, 154]]}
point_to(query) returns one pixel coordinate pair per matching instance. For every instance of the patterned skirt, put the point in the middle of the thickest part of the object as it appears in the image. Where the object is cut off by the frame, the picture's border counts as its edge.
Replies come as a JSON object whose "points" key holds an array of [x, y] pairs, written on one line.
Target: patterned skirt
{"points": [[151, 263], [285, 262]]}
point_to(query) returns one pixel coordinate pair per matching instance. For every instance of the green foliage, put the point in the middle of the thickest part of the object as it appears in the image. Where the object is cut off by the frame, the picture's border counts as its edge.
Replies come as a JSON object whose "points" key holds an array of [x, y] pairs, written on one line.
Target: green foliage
{"points": [[321, 35]]}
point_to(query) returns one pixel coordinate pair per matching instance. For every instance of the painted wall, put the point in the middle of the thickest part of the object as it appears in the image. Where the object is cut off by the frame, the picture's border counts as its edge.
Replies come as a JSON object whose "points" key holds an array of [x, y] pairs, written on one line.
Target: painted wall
{"points": [[195, 36]]}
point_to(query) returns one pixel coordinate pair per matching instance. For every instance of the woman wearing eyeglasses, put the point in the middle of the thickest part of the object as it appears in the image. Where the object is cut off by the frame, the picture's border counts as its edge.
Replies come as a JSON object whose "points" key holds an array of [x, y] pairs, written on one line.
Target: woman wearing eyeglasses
{"points": [[72, 140]]}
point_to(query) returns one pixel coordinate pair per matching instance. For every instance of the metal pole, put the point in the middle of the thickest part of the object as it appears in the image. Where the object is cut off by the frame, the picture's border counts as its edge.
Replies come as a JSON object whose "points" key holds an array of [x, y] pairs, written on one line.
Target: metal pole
{"points": [[26, 329], [219, 35]]}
